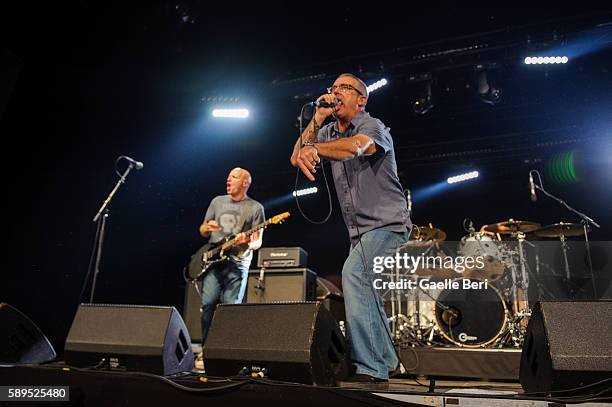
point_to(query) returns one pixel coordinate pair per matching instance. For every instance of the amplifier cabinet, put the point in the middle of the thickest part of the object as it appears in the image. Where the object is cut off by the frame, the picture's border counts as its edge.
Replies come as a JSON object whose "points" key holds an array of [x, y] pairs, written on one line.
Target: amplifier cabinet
{"points": [[291, 284]]}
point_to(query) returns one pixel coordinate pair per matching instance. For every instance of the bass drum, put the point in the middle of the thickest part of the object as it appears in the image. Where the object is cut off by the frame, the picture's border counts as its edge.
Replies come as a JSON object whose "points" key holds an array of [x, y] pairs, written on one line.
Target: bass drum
{"points": [[471, 317]]}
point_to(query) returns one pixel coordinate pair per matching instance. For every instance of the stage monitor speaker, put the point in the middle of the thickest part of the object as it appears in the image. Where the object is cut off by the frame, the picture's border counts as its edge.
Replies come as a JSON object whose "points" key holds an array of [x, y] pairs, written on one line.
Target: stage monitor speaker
{"points": [[297, 342], [331, 297], [129, 337], [192, 310], [292, 284], [568, 345], [21, 341]]}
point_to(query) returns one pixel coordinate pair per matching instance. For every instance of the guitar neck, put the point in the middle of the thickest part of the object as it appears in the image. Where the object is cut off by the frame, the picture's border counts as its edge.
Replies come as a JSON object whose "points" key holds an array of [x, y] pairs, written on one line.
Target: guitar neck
{"points": [[230, 243], [256, 228]]}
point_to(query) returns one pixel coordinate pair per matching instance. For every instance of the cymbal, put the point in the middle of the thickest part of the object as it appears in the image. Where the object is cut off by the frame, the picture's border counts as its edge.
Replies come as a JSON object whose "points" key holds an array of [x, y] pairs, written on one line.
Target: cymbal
{"points": [[511, 226], [562, 228], [424, 233]]}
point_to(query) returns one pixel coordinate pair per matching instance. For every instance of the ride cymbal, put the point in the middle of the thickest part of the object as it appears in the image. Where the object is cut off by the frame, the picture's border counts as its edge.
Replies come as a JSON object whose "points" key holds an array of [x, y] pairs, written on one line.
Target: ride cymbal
{"points": [[512, 226], [561, 229]]}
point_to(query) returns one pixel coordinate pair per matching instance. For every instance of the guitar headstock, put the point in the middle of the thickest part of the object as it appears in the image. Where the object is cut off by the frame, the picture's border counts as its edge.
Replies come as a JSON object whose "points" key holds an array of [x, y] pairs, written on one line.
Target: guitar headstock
{"points": [[280, 218]]}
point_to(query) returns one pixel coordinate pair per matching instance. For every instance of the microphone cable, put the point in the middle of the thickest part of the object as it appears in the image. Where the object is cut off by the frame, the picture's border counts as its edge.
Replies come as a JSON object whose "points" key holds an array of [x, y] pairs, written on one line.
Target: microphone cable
{"points": [[297, 176]]}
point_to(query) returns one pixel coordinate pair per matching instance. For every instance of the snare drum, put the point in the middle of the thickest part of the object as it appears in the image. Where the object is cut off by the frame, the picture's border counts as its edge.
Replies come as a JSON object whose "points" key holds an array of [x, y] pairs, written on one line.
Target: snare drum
{"points": [[481, 244]]}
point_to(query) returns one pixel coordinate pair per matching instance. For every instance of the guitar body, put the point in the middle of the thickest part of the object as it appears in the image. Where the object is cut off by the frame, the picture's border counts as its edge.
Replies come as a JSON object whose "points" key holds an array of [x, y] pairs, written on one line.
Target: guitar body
{"points": [[213, 253], [199, 263]]}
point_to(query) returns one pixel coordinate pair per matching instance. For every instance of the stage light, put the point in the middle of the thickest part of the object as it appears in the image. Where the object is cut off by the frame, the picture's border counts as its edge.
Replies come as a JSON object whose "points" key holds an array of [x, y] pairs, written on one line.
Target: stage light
{"points": [[462, 177], [546, 60], [424, 103], [231, 113], [562, 169], [307, 191], [424, 100], [377, 85], [488, 93]]}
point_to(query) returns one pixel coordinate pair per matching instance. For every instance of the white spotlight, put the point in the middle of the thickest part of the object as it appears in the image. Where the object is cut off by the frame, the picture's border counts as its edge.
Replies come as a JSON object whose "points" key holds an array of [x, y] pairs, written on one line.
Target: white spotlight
{"points": [[462, 177], [377, 85], [545, 60], [307, 191], [231, 113]]}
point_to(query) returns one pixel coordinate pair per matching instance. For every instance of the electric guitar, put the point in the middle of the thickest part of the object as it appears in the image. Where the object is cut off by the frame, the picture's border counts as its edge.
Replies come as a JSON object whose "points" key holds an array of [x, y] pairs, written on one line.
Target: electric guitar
{"points": [[213, 253]]}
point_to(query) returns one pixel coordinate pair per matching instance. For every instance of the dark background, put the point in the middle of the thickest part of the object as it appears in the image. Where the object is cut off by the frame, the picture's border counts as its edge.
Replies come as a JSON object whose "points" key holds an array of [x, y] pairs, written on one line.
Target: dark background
{"points": [[85, 83]]}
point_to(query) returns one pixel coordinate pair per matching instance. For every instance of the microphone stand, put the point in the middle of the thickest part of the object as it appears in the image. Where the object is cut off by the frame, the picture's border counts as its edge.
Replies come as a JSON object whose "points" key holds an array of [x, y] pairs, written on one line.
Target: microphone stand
{"points": [[101, 217], [585, 220]]}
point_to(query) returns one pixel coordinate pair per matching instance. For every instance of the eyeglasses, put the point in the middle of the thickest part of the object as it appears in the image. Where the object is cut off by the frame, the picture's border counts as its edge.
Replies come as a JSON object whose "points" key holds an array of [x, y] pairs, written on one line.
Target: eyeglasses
{"points": [[343, 87]]}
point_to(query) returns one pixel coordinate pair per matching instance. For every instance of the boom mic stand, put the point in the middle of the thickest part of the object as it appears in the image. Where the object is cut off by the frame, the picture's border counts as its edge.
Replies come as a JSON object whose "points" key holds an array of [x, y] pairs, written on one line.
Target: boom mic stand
{"points": [[585, 220], [100, 218]]}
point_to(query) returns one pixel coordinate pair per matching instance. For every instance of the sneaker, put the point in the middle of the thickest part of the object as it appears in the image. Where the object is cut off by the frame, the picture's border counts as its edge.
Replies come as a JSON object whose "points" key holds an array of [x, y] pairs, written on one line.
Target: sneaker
{"points": [[399, 370], [199, 362], [365, 382]]}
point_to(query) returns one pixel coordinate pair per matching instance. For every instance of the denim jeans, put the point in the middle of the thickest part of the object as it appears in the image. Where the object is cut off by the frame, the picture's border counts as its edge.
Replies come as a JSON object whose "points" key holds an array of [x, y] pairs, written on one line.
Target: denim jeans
{"points": [[224, 282], [367, 325]]}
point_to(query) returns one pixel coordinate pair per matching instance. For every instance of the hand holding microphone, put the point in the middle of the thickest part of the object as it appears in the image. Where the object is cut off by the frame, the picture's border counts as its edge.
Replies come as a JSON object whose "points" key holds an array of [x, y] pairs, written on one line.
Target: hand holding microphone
{"points": [[325, 105]]}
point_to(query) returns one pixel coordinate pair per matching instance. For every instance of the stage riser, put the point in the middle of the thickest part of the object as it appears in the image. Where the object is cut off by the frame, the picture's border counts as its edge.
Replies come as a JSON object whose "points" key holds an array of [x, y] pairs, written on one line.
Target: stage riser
{"points": [[492, 364]]}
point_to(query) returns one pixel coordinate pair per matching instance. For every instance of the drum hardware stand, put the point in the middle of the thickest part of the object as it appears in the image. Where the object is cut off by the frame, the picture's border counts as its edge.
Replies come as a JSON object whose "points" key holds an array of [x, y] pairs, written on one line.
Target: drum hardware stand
{"points": [[524, 276], [402, 323], [564, 248], [516, 316], [585, 220], [420, 329], [515, 329]]}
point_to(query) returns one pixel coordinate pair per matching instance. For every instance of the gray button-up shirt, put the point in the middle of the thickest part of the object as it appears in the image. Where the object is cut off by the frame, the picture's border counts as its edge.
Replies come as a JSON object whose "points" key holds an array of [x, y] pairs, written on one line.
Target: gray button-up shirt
{"points": [[370, 194]]}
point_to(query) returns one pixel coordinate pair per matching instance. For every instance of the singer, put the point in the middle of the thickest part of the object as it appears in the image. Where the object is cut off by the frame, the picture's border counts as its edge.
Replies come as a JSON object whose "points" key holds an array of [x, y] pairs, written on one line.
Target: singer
{"points": [[229, 214], [360, 150]]}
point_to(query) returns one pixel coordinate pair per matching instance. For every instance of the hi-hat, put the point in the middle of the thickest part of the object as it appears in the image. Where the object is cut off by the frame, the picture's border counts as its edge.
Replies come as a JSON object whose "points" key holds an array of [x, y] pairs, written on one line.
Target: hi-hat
{"points": [[427, 233], [560, 229], [511, 226]]}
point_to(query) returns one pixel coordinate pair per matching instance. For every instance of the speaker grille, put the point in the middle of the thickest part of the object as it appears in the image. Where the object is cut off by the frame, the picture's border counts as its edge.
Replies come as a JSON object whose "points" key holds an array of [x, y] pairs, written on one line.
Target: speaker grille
{"points": [[568, 345], [21, 340], [129, 337], [293, 341], [567, 324]]}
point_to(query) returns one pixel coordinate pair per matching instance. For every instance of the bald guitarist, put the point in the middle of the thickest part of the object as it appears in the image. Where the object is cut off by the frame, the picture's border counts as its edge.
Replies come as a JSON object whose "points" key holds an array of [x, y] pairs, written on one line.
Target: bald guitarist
{"points": [[229, 214]]}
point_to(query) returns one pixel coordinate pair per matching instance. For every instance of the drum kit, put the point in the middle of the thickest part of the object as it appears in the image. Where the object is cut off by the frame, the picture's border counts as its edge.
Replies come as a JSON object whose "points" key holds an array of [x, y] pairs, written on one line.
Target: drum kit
{"points": [[454, 313]]}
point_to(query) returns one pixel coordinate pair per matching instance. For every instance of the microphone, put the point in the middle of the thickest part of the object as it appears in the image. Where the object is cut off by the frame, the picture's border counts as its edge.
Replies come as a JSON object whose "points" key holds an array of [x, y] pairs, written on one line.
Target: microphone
{"points": [[534, 197], [137, 164], [323, 103]]}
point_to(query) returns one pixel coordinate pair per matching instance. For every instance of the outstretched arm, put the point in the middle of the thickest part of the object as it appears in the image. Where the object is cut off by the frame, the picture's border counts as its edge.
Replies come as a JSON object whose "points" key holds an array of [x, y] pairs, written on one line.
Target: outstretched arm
{"points": [[341, 149]]}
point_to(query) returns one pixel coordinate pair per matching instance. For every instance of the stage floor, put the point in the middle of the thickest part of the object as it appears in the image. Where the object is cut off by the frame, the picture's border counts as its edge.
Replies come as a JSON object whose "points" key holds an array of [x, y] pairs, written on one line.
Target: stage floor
{"points": [[114, 388]]}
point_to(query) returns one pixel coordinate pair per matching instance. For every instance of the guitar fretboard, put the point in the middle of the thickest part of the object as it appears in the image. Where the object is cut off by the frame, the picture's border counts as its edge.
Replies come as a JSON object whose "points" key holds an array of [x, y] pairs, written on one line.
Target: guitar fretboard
{"points": [[230, 243]]}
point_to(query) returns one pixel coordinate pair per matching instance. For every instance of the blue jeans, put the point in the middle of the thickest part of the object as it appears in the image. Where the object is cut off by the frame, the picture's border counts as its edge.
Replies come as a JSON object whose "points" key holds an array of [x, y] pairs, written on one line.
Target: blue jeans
{"points": [[224, 282], [368, 329]]}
